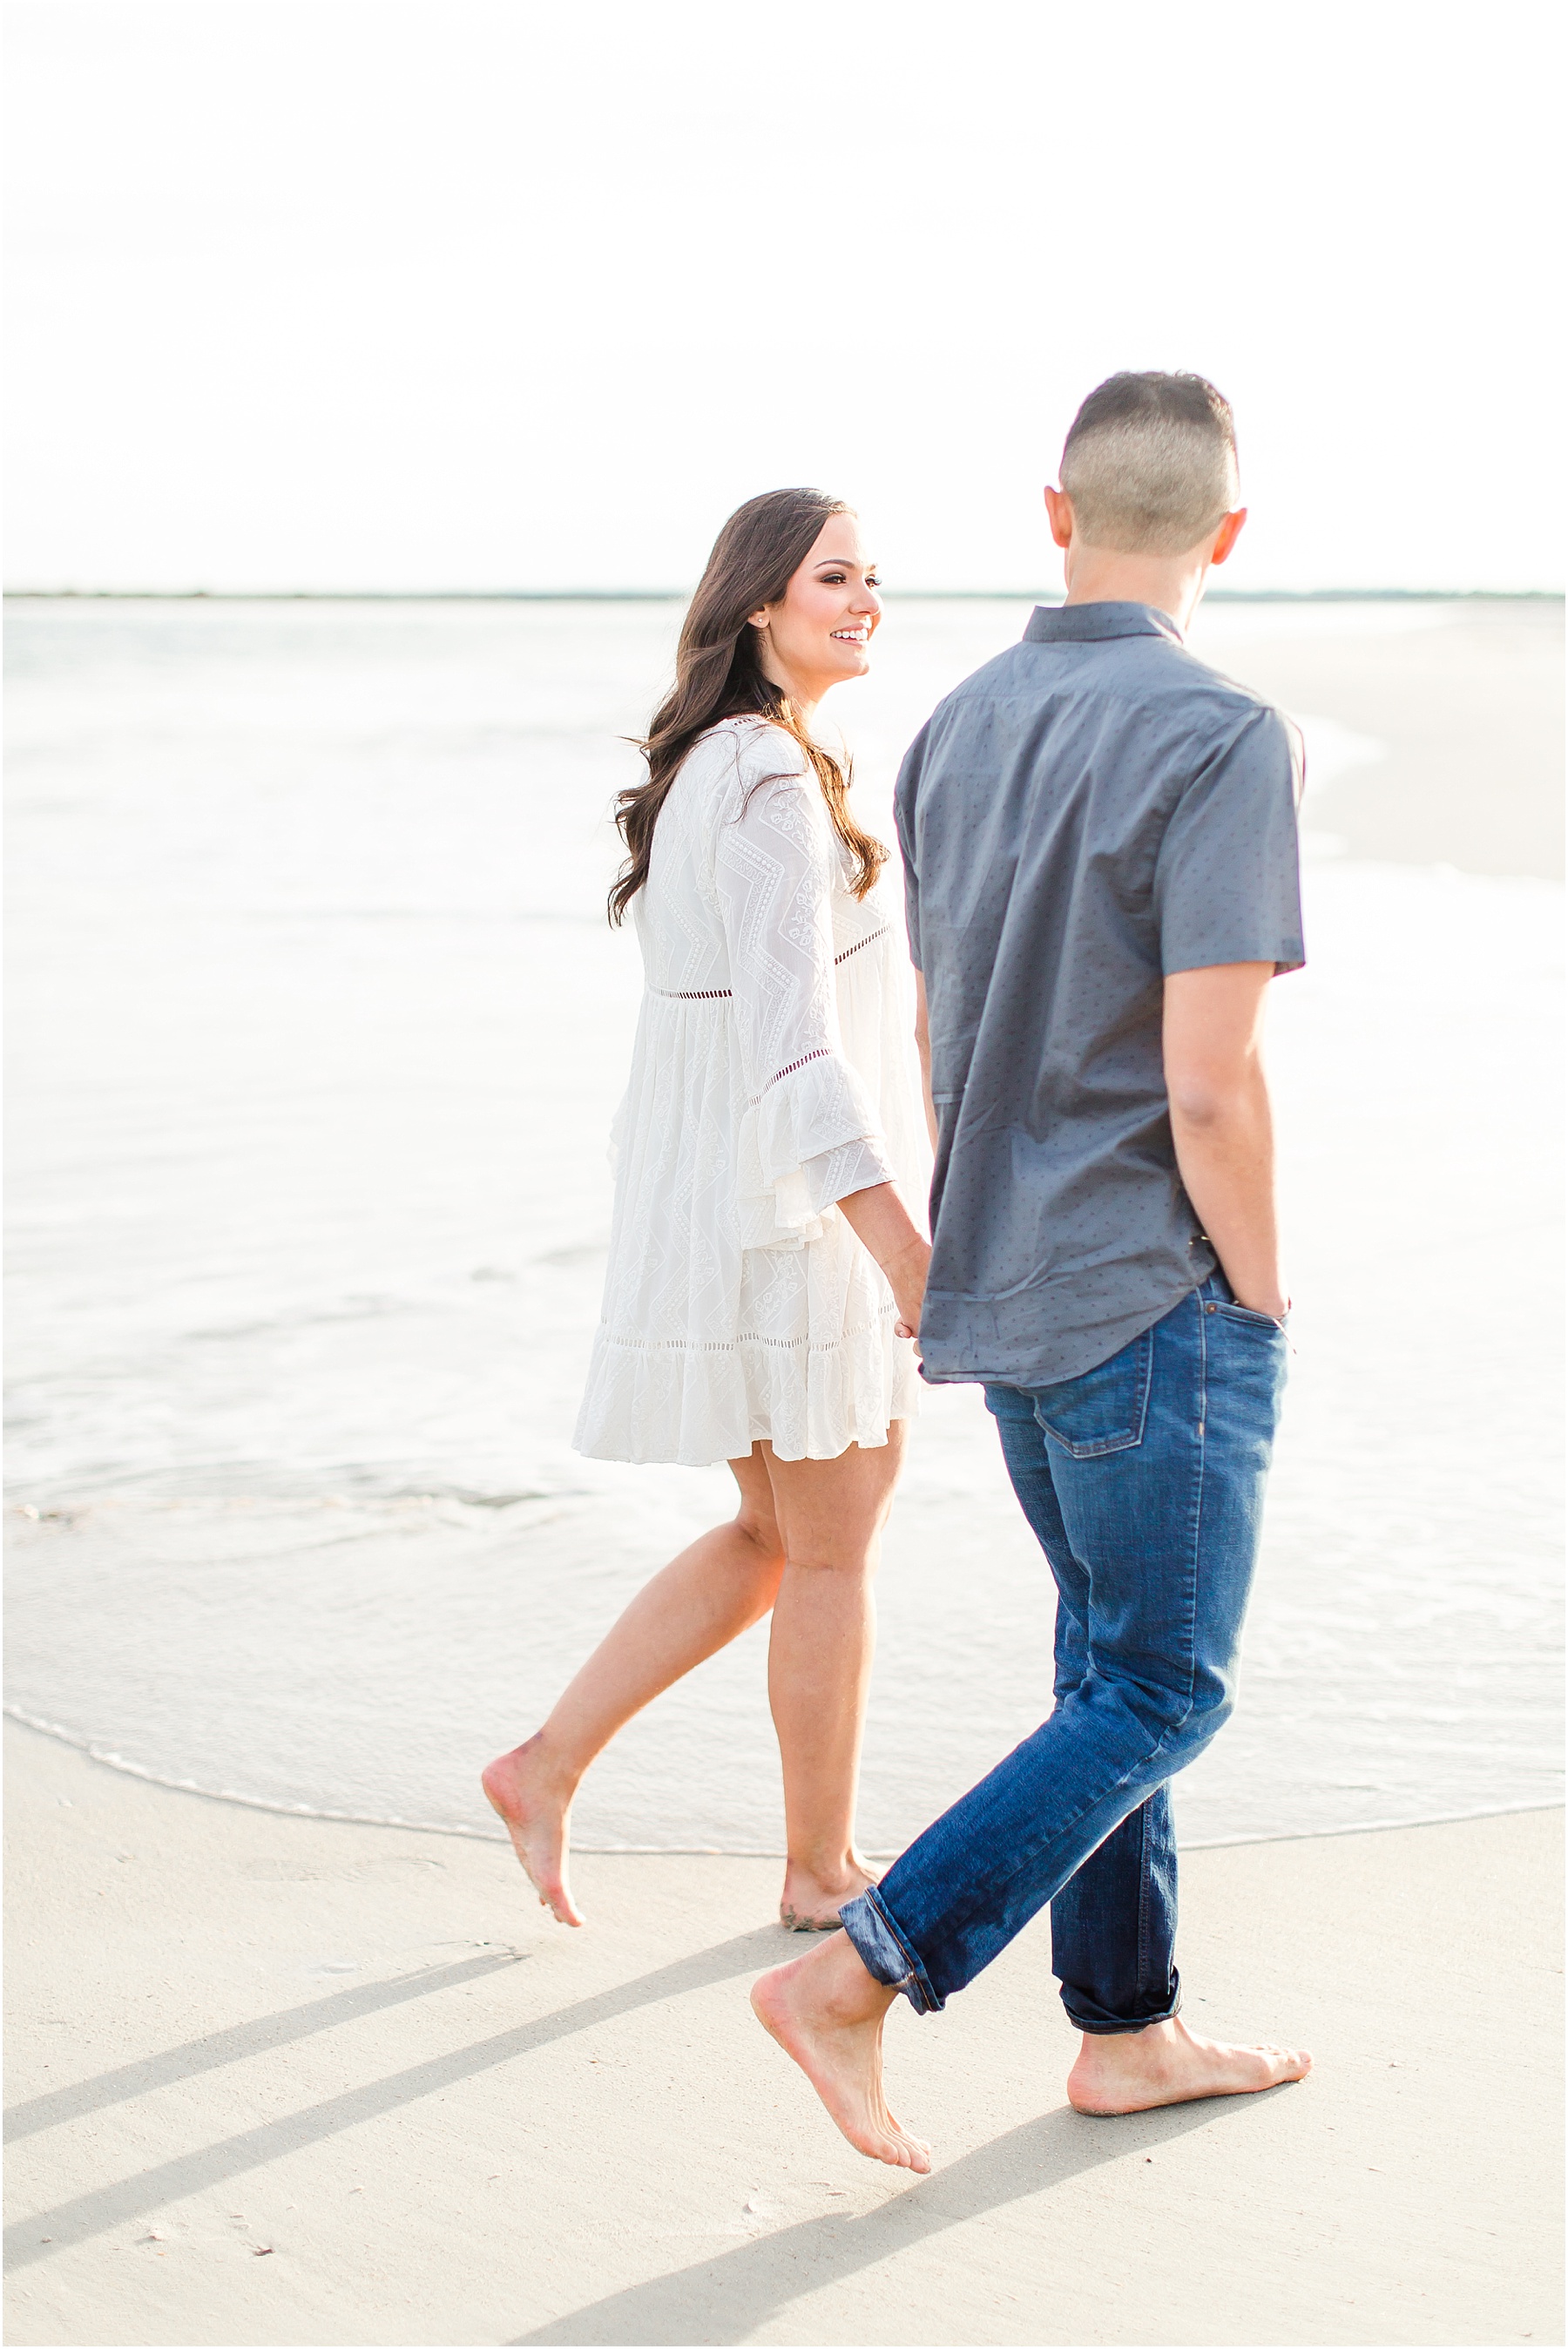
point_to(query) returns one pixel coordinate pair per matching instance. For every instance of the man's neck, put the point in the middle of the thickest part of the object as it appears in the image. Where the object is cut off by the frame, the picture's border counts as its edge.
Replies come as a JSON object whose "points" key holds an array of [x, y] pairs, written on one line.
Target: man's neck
{"points": [[1172, 585]]}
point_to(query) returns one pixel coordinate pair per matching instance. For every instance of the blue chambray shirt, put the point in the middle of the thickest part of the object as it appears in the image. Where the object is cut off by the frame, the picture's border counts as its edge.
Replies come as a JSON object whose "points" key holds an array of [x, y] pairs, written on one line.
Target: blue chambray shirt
{"points": [[1090, 810]]}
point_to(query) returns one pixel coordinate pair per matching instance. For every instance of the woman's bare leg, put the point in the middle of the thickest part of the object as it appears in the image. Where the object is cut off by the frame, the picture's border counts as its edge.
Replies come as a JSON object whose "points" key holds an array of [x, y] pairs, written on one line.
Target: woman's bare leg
{"points": [[703, 1599], [830, 1514]]}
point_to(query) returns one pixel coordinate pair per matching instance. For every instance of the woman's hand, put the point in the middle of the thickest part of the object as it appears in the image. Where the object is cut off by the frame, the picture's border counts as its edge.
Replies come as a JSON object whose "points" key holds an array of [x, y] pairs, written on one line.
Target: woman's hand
{"points": [[882, 1224], [905, 1275]]}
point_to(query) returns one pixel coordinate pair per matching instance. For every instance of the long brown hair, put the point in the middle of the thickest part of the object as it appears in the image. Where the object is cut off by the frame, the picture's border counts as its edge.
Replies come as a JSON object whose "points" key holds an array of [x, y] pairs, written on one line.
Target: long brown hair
{"points": [[718, 674]]}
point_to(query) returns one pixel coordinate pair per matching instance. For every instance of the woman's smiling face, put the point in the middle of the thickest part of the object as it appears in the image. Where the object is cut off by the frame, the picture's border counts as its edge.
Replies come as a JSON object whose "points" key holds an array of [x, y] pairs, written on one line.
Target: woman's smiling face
{"points": [[821, 632]]}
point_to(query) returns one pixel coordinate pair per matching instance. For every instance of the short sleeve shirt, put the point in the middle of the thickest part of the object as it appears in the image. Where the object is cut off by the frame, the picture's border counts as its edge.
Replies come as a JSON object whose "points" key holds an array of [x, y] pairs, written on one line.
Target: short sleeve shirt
{"points": [[1091, 810]]}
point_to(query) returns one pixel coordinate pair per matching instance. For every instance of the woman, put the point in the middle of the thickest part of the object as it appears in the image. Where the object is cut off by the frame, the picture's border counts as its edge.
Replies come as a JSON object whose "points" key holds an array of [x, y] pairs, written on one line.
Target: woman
{"points": [[765, 1272]]}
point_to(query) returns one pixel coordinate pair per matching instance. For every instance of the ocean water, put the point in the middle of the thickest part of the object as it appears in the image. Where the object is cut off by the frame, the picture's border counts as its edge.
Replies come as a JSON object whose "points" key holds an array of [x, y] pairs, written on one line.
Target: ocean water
{"points": [[316, 1034]]}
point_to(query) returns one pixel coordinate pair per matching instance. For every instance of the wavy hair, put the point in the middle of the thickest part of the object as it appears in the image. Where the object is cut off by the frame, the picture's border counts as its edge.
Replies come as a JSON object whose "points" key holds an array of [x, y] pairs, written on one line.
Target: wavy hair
{"points": [[719, 674]]}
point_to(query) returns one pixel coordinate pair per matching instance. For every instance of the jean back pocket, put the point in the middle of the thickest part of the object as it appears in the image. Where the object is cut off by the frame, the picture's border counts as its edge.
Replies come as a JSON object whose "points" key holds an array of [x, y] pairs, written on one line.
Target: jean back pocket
{"points": [[1105, 1408]]}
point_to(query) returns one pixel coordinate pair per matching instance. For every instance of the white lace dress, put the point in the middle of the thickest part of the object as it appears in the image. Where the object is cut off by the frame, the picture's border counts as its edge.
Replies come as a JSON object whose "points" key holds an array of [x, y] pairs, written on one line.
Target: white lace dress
{"points": [[774, 1073]]}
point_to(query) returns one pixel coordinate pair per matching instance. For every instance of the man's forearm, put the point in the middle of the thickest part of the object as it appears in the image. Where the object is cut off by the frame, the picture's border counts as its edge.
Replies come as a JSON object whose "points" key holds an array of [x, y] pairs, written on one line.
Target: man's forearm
{"points": [[1225, 1154]]}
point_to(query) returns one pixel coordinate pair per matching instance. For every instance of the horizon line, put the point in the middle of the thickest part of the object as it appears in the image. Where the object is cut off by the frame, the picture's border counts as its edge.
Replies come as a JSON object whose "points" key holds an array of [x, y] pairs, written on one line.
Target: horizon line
{"points": [[683, 594]]}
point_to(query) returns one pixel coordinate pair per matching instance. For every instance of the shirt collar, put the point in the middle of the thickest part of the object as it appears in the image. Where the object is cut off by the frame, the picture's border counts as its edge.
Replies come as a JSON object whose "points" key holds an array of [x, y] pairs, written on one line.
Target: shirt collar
{"points": [[1088, 624]]}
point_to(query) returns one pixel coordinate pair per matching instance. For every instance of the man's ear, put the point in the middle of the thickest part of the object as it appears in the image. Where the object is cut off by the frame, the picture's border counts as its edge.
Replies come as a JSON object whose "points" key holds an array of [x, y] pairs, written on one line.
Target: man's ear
{"points": [[1225, 537], [1060, 507]]}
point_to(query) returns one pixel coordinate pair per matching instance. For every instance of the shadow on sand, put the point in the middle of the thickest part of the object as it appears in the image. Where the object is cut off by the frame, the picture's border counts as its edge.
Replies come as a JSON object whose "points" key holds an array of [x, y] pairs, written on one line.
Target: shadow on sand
{"points": [[725, 2299], [191, 2173], [234, 2045]]}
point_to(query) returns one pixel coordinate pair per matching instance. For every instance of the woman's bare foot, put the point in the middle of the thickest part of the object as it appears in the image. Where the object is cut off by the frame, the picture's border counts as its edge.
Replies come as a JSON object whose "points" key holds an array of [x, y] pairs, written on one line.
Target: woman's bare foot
{"points": [[812, 1899], [827, 2012], [533, 1804], [1132, 2071]]}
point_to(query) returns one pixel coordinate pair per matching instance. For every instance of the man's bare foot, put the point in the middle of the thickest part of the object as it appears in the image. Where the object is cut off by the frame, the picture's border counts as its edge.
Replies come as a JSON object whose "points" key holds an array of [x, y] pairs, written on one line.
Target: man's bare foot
{"points": [[813, 1898], [827, 2012], [534, 1806], [1133, 2071]]}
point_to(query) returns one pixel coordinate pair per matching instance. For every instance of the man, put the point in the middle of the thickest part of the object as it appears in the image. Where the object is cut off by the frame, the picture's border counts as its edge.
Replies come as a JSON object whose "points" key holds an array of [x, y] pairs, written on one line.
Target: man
{"points": [[1100, 842]]}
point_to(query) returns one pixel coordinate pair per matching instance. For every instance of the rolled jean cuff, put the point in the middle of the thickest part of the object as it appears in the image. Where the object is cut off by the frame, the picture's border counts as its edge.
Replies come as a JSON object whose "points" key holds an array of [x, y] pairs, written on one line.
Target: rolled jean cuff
{"points": [[884, 1952], [1085, 2015]]}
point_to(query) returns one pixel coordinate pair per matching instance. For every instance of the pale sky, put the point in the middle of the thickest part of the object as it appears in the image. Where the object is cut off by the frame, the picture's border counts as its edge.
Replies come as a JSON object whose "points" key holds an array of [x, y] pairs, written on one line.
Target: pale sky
{"points": [[487, 294]]}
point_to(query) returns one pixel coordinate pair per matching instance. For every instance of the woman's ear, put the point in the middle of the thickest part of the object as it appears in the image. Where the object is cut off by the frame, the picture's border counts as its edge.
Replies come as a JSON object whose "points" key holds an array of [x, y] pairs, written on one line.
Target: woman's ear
{"points": [[757, 619]]}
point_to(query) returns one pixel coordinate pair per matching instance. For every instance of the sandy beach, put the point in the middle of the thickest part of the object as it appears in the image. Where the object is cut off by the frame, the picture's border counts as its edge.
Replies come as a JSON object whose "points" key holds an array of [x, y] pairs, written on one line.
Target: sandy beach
{"points": [[282, 2080]]}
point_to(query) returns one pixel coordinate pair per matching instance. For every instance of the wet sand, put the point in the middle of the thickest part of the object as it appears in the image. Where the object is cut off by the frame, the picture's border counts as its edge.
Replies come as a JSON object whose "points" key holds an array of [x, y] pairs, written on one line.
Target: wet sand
{"points": [[1466, 715], [281, 2080]]}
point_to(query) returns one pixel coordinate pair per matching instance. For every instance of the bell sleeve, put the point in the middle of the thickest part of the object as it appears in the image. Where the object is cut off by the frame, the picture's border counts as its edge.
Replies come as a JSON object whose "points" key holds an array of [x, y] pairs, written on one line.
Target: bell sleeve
{"points": [[808, 1134]]}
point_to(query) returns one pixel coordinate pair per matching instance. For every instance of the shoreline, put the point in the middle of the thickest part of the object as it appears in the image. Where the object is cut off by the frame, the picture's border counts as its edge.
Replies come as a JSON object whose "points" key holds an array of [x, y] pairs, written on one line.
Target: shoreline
{"points": [[278, 2078], [78, 1743]]}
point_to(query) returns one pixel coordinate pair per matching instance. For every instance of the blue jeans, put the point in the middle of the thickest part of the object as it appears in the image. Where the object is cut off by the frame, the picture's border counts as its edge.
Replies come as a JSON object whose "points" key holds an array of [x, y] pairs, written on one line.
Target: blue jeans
{"points": [[1144, 1482]]}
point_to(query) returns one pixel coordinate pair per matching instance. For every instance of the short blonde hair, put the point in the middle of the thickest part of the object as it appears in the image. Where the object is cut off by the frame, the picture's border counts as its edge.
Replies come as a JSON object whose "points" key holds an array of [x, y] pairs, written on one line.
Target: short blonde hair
{"points": [[1151, 463]]}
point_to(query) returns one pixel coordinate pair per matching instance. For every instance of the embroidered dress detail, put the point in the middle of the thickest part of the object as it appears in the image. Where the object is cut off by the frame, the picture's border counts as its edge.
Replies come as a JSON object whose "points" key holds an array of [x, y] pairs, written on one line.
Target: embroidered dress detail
{"points": [[820, 1054], [773, 1075], [869, 939]]}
